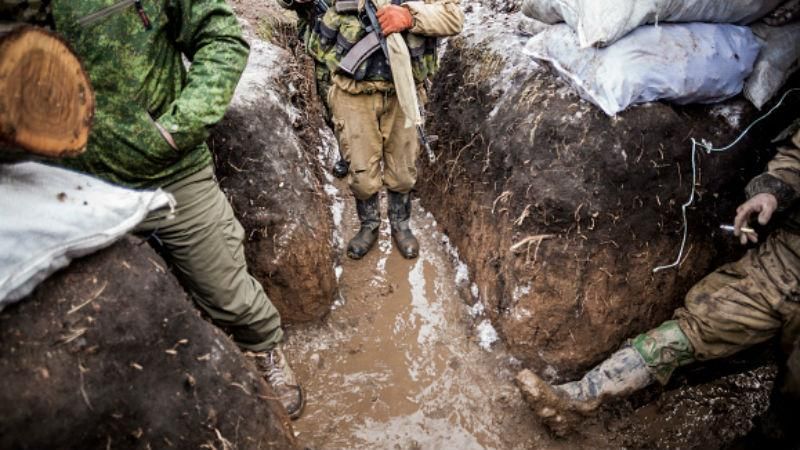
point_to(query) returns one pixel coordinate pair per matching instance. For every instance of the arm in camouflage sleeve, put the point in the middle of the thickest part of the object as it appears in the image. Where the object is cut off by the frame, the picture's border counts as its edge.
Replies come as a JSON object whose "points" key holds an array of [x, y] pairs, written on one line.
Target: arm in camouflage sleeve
{"points": [[209, 35], [436, 18], [782, 178]]}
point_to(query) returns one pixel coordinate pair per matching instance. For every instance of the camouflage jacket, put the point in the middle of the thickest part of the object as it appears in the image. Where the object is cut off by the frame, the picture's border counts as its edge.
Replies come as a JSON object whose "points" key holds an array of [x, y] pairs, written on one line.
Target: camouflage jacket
{"points": [[133, 54], [782, 177], [331, 36]]}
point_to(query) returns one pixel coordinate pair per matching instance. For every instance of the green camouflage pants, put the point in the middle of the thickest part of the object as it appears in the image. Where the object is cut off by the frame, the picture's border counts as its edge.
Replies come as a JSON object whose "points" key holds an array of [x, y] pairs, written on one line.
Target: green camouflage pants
{"points": [[739, 305], [203, 242]]}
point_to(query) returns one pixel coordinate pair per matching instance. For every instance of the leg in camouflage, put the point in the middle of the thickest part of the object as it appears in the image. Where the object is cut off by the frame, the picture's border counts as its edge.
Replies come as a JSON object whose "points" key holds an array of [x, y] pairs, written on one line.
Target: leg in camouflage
{"points": [[739, 305], [651, 356]]}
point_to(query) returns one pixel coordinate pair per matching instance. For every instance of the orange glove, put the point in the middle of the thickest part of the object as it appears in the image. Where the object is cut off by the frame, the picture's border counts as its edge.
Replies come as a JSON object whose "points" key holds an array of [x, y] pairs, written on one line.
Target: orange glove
{"points": [[394, 19]]}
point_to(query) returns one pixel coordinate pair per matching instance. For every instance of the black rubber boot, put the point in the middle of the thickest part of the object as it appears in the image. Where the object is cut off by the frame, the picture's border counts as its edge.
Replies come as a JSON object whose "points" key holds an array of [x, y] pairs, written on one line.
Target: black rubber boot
{"points": [[400, 217], [369, 214]]}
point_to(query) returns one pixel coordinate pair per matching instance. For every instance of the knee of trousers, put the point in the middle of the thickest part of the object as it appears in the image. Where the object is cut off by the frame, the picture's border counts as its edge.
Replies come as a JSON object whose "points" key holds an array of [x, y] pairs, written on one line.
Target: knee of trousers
{"points": [[363, 185], [402, 186]]}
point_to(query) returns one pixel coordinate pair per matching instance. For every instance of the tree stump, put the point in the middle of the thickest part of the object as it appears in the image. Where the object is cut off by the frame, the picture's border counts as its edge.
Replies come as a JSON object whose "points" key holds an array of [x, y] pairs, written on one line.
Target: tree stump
{"points": [[46, 100]]}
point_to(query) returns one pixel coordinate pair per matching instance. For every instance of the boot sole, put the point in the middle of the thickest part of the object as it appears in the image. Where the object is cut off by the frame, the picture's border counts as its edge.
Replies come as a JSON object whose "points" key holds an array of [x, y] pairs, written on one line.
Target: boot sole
{"points": [[297, 414]]}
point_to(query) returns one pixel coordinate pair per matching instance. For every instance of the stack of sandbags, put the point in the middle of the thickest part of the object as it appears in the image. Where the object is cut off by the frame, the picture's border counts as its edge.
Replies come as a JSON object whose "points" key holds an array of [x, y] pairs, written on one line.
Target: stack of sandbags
{"points": [[600, 23], [615, 59]]}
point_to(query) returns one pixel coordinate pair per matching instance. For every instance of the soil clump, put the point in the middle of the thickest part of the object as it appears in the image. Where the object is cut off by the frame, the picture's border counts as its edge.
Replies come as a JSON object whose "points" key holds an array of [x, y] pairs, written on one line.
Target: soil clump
{"points": [[562, 212], [265, 155], [110, 353]]}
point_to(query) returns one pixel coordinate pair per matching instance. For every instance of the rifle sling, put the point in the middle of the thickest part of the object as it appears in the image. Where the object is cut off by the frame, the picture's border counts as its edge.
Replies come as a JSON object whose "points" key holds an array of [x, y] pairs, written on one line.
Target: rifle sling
{"points": [[360, 52]]}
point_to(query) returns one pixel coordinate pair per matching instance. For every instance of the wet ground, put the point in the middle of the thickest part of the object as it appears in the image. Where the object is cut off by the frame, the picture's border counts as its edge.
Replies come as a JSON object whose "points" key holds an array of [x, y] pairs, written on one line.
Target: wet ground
{"points": [[403, 361]]}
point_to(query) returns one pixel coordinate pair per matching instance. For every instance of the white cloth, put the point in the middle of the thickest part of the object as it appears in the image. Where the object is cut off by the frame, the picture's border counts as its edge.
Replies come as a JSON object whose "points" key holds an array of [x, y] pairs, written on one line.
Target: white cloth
{"points": [[681, 63], [603, 22], [402, 74], [51, 216]]}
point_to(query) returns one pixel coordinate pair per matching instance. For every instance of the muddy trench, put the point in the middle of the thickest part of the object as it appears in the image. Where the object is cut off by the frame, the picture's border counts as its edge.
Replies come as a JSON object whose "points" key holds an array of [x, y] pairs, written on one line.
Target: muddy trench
{"points": [[421, 354], [409, 354]]}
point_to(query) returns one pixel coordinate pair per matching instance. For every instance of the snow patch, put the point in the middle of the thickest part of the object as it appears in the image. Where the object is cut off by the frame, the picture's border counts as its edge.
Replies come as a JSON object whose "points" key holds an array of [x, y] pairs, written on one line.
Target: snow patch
{"points": [[731, 113], [487, 335], [462, 274], [476, 310]]}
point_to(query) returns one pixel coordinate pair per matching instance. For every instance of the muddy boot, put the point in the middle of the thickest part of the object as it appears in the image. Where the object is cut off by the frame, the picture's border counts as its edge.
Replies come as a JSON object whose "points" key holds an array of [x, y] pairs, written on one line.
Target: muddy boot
{"points": [[275, 369], [561, 407], [369, 214], [400, 218], [652, 356]]}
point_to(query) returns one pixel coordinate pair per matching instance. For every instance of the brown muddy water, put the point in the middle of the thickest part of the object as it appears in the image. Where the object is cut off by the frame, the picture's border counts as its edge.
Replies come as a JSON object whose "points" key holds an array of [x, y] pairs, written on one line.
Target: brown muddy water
{"points": [[403, 362]]}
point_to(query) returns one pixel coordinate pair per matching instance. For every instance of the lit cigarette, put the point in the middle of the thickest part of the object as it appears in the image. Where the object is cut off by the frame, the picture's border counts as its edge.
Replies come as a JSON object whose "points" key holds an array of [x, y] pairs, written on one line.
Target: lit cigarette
{"points": [[731, 228]]}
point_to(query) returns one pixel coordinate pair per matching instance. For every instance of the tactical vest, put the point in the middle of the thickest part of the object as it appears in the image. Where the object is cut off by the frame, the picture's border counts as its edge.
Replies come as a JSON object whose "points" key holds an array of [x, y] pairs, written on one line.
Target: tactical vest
{"points": [[331, 36]]}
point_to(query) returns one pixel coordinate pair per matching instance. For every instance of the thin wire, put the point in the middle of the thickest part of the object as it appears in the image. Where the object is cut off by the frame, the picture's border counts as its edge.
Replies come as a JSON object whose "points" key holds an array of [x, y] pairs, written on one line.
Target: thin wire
{"points": [[710, 149]]}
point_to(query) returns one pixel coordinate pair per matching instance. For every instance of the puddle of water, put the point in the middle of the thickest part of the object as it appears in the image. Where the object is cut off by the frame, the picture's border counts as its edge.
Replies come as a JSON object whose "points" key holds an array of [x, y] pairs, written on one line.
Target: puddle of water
{"points": [[397, 365]]}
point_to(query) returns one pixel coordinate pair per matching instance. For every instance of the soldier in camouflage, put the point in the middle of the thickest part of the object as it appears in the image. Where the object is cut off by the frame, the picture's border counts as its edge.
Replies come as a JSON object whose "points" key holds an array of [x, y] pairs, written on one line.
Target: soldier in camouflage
{"points": [[739, 305], [367, 117], [152, 119]]}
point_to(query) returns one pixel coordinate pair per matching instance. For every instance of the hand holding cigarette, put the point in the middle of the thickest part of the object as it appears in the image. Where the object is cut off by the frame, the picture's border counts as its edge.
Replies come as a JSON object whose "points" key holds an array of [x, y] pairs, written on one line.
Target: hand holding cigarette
{"points": [[764, 205]]}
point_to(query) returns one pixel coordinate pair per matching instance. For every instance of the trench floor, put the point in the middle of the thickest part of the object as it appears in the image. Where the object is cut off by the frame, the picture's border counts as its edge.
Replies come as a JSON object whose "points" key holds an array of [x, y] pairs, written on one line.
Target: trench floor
{"points": [[398, 363]]}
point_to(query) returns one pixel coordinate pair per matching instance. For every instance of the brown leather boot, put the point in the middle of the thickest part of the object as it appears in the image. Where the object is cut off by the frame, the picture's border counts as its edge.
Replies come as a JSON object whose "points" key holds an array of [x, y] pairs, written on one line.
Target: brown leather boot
{"points": [[400, 218], [276, 371], [369, 214]]}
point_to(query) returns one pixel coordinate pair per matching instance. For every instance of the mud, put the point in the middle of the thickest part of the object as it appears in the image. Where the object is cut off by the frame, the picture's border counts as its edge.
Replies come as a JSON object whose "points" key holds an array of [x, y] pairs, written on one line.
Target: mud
{"points": [[399, 362], [265, 157], [561, 212], [109, 353]]}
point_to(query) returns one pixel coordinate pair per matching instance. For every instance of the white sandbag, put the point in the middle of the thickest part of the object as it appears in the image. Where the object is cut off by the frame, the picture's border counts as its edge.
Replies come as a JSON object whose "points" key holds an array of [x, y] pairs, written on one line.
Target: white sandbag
{"points": [[681, 63], [779, 59], [603, 22], [49, 216]]}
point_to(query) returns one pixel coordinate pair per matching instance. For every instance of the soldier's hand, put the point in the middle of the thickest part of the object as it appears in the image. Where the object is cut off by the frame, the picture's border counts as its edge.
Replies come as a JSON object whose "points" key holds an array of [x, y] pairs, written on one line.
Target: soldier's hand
{"points": [[394, 19], [764, 205]]}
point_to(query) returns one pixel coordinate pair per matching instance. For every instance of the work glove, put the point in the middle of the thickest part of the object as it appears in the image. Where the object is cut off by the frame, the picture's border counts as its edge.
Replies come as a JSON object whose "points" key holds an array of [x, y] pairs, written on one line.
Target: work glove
{"points": [[394, 19], [763, 204]]}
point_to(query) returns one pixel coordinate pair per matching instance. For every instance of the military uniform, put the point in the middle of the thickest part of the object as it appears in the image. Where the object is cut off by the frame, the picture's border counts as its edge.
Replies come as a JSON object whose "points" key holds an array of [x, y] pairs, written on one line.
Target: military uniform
{"points": [[369, 122], [746, 302], [133, 54], [737, 306]]}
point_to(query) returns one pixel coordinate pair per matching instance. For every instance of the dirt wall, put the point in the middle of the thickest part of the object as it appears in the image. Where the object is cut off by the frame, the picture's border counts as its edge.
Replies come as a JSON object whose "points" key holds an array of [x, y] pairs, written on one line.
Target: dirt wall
{"points": [[265, 160], [110, 353], [562, 212]]}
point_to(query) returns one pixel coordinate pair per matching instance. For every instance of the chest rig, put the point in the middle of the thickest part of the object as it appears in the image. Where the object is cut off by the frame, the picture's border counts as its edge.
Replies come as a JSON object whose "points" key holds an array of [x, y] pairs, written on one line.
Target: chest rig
{"points": [[347, 43]]}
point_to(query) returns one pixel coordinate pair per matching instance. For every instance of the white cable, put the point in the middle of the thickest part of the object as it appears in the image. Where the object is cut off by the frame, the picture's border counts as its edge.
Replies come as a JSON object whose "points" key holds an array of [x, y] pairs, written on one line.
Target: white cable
{"points": [[710, 149]]}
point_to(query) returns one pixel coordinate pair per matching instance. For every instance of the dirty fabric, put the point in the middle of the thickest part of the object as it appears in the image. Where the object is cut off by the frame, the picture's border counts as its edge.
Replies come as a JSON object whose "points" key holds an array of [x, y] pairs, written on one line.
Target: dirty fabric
{"points": [[781, 179], [695, 63], [603, 22], [139, 79], [664, 349], [371, 128], [758, 297], [747, 302], [51, 216], [335, 33], [205, 245]]}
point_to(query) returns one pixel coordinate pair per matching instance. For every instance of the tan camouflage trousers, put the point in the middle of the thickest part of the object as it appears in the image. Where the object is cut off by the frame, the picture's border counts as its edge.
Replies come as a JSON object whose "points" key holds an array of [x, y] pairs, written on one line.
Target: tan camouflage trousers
{"points": [[370, 128], [746, 302]]}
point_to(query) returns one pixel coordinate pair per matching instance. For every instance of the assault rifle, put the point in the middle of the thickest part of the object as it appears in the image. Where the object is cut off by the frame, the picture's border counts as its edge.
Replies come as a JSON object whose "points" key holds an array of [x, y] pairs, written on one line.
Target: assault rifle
{"points": [[366, 47]]}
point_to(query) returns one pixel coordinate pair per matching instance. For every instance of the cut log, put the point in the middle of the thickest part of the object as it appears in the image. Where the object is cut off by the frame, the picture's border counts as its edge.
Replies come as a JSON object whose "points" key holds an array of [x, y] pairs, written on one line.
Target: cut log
{"points": [[46, 100]]}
